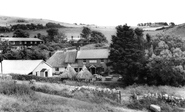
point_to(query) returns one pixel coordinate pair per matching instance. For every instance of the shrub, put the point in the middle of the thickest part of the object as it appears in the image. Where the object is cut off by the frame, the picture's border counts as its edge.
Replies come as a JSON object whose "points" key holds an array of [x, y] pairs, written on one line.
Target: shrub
{"points": [[166, 105], [10, 88], [48, 90], [40, 79]]}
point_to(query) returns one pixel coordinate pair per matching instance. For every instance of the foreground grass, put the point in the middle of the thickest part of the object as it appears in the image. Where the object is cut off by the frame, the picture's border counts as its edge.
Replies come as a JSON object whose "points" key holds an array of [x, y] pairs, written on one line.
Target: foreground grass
{"points": [[145, 103], [53, 97], [13, 99]]}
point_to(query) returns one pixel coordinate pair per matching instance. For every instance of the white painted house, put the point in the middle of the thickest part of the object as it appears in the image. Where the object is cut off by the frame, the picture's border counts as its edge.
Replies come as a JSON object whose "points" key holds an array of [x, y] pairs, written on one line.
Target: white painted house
{"points": [[26, 67]]}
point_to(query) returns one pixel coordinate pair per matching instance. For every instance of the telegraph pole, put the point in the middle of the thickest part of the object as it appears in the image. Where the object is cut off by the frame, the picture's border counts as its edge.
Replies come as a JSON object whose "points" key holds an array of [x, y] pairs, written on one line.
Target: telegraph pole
{"points": [[1, 65]]}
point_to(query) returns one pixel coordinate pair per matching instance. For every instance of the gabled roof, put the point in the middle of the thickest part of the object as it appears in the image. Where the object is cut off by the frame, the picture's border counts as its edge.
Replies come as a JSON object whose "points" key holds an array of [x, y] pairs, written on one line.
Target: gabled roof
{"points": [[20, 39], [70, 56], [93, 54], [20, 66], [62, 58], [57, 59]]}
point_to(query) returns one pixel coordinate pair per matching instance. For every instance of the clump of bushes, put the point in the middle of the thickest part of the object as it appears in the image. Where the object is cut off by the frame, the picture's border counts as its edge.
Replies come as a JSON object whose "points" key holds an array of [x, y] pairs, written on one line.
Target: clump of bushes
{"points": [[166, 102], [40, 79], [146, 102], [10, 88], [48, 90]]}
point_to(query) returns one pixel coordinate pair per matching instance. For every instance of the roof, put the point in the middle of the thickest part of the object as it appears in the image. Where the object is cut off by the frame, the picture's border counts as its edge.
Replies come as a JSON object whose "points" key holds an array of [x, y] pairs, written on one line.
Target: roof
{"points": [[20, 66], [93, 54], [70, 56], [20, 39], [62, 58], [43, 70]]}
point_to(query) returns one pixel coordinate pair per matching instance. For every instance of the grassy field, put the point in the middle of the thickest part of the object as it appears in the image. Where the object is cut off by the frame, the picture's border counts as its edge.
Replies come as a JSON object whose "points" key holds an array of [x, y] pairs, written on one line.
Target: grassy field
{"points": [[54, 97], [20, 98]]}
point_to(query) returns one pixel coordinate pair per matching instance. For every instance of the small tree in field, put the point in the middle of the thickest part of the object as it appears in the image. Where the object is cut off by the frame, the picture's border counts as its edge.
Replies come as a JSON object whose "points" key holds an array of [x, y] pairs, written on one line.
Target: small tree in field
{"points": [[20, 33], [127, 53], [97, 37], [52, 33], [86, 32]]}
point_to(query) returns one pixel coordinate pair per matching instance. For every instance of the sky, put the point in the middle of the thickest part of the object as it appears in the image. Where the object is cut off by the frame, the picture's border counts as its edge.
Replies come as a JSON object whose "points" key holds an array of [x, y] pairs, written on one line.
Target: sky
{"points": [[98, 12]]}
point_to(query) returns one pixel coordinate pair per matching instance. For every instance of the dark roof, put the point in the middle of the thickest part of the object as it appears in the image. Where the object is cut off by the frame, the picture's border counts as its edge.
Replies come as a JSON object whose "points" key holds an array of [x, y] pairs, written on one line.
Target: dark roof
{"points": [[70, 56], [62, 58], [93, 54], [43, 70]]}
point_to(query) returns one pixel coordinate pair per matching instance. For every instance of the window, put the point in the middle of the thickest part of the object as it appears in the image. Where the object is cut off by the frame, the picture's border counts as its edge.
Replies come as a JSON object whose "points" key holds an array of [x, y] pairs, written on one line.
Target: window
{"points": [[76, 69], [84, 61], [56, 69], [20, 42], [102, 60], [35, 42], [25, 42], [13, 43], [92, 61], [30, 42], [80, 69]]}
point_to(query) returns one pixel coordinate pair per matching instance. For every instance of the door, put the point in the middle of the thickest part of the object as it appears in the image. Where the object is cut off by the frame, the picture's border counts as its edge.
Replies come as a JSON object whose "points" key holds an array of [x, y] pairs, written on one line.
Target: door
{"points": [[93, 70], [46, 74]]}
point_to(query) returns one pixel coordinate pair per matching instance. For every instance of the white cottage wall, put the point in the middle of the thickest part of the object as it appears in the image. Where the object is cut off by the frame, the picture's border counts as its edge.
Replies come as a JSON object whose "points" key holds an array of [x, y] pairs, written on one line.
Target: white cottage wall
{"points": [[41, 66], [57, 72]]}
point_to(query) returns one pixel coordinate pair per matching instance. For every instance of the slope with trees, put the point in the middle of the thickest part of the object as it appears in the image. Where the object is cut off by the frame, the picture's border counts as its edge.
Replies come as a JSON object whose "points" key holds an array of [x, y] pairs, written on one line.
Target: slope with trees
{"points": [[158, 61]]}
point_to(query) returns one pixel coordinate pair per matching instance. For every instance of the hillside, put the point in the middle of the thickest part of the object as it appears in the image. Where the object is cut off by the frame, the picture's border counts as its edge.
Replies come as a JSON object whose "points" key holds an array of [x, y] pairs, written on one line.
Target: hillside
{"points": [[69, 31], [7, 21], [178, 30]]}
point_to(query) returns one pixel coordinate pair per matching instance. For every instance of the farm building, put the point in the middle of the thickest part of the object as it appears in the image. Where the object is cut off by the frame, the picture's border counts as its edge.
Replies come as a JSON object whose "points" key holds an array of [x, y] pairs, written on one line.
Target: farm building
{"points": [[94, 59], [60, 59], [26, 67], [19, 43]]}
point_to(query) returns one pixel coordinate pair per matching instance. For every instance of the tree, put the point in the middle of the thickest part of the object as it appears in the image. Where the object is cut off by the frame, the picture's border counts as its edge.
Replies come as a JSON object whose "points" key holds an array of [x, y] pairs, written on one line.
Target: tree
{"points": [[172, 24], [5, 46], [20, 33], [52, 33], [97, 37], [166, 63], [60, 38], [127, 53], [86, 32]]}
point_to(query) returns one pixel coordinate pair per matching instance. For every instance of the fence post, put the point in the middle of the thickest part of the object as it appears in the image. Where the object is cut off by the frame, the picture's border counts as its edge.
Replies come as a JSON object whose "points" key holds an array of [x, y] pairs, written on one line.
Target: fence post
{"points": [[119, 92]]}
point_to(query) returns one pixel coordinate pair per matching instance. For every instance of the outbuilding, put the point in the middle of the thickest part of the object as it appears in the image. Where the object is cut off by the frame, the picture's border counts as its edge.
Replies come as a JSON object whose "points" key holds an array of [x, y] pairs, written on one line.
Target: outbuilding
{"points": [[26, 67]]}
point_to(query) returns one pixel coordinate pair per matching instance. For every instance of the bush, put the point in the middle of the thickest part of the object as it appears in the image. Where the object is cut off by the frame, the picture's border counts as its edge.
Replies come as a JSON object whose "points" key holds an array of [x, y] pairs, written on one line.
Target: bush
{"points": [[40, 79], [10, 88], [48, 90], [146, 102]]}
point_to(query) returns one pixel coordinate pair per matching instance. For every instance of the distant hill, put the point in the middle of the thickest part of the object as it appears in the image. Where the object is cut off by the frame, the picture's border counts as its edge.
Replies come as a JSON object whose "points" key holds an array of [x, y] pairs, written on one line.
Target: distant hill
{"points": [[71, 30], [7, 21], [178, 30]]}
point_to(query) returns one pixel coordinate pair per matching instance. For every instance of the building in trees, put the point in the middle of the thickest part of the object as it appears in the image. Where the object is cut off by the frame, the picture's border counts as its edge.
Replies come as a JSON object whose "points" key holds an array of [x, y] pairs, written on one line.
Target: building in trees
{"points": [[95, 60], [19, 43]]}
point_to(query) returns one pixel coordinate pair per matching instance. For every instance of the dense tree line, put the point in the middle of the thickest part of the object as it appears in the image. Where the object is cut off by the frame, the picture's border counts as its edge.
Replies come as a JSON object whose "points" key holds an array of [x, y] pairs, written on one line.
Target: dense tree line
{"points": [[154, 24], [92, 36], [29, 27], [158, 61]]}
